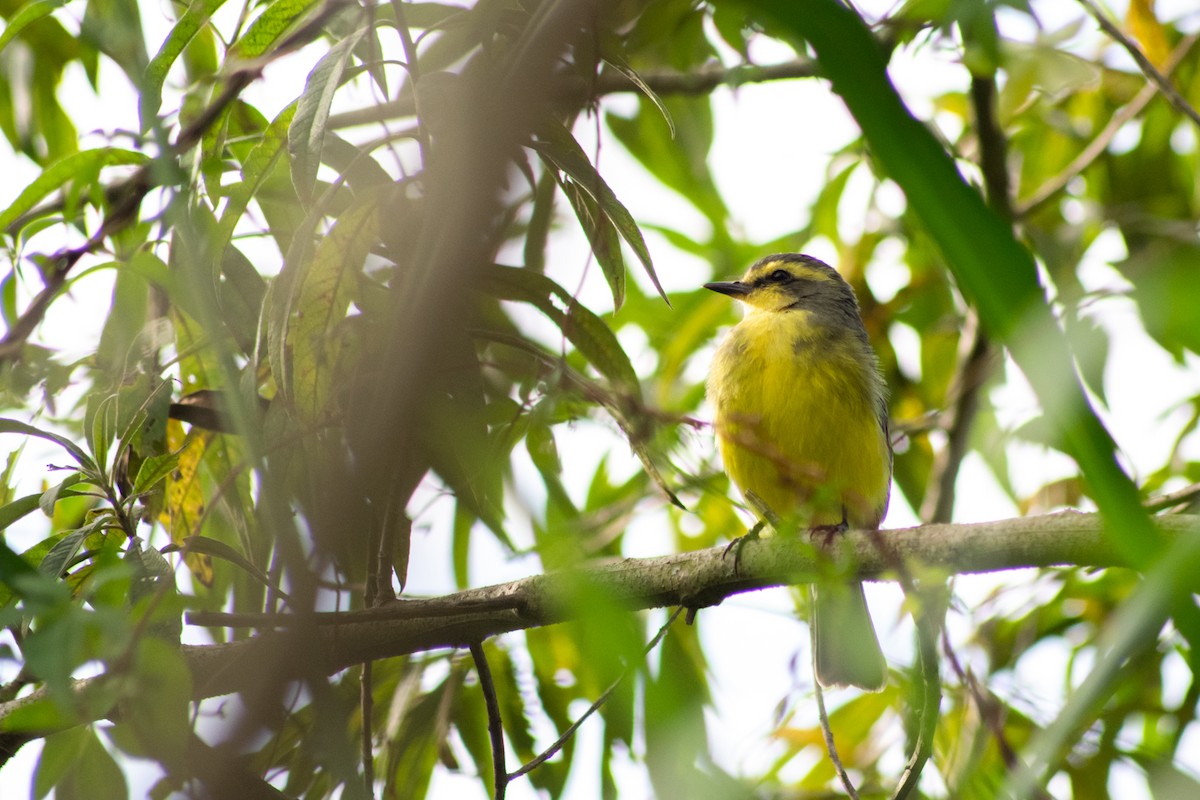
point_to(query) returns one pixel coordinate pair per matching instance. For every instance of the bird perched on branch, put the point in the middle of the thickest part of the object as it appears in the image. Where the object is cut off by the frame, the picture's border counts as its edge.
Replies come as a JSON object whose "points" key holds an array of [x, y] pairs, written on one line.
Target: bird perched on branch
{"points": [[801, 419]]}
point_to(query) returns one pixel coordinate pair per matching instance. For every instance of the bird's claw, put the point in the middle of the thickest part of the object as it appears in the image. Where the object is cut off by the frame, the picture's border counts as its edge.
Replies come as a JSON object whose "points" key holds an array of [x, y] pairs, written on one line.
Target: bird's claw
{"points": [[736, 547], [828, 531]]}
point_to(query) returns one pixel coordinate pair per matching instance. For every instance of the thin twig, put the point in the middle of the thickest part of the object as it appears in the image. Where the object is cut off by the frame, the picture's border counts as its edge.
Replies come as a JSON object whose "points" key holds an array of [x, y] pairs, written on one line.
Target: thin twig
{"points": [[23, 678], [495, 723], [573, 90], [1096, 147], [931, 699], [957, 420], [1176, 498], [1144, 64], [993, 147], [366, 697], [927, 632], [977, 351], [550, 751], [366, 701], [990, 714], [827, 733]]}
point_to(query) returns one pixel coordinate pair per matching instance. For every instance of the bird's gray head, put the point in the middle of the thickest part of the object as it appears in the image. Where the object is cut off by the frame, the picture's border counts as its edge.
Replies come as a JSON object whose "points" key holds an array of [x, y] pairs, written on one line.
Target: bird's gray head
{"points": [[794, 282]]}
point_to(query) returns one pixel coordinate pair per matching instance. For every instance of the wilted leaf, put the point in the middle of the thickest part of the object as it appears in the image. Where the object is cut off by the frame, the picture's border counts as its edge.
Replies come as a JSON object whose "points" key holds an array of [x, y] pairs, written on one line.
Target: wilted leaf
{"points": [[184, 505]]}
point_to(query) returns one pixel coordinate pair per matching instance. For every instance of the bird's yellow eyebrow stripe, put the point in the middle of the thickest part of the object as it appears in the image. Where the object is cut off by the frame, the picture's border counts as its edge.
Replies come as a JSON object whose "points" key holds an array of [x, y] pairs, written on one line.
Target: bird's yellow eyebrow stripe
{"points": [[800, 270]]}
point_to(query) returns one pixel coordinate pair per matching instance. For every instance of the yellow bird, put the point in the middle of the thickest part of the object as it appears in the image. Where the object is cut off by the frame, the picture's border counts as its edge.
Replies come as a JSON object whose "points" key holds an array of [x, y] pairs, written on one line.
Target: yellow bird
{"points": [[801, 419]]}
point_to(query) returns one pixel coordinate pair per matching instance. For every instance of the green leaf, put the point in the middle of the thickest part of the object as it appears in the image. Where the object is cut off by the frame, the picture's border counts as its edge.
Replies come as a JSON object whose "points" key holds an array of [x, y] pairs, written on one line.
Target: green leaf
{"points": [[118, 352], [114, 27], [306, 135], [257, 167], [102, 429], [194, 20], [732, 24], [461, 546], [1160, 276], [14, 569], [318, 332], [541, 219], [60, 753], [158, 709], [153, 470], [92, 769], [594, 339], [58, 560], [81, 458], [78, 169], [413, 754], [602, 237], [1168, 782], [354, 164], [151, 571], [218, 549], [556, 145], [621, 66], [18, 508], [471, 721], [28, 14], [267, 28]]}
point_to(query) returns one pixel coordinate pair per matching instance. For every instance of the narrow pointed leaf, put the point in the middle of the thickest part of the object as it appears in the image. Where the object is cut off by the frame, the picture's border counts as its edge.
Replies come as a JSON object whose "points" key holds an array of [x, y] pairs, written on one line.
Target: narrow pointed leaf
{"points": [[190, 23], [594, 339], [82, 458], [306, 136], [80, 167], [556, 145]]}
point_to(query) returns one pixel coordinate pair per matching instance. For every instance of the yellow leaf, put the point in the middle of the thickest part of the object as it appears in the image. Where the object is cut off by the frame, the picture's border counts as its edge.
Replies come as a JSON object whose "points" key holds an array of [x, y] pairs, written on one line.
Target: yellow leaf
{"points": [[1148, 31], [184, 506]]}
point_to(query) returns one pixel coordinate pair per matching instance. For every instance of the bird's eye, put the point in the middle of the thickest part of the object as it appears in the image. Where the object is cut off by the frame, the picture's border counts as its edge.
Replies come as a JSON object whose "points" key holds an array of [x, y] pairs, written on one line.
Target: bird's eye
{"points": [[780, 276]]}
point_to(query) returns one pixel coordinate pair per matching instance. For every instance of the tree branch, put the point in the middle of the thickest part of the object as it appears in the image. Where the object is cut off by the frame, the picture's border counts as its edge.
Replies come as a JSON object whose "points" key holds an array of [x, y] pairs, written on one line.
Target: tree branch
{"points": [[571, 90], [695, 579]]}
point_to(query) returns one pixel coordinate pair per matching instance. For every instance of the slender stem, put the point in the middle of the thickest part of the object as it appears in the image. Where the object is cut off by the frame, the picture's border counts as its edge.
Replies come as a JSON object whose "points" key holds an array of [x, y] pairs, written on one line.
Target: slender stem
{"points": [[550, 751], [495, 723], [575, 91], [1144, 64], [366, 701], [827, 733], [1185, 495], [931, 699], [990, 713], [1099, 145], [977, 351], [928, 625]]}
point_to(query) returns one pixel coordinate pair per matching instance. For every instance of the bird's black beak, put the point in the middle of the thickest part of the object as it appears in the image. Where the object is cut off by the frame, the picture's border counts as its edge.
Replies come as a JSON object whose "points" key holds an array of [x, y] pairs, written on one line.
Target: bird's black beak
{"points": [[731, 288]]}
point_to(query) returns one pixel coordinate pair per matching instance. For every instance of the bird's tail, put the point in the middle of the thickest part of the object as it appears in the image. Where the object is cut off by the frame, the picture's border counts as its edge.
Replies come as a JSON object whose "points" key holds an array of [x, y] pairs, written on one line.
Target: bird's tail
{"points": [[846, 651]]}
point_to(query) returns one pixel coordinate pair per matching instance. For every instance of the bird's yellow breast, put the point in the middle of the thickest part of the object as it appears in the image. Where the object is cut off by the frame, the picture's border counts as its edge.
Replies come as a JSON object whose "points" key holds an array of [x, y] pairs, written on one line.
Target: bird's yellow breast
{"points": [[797, 418]]}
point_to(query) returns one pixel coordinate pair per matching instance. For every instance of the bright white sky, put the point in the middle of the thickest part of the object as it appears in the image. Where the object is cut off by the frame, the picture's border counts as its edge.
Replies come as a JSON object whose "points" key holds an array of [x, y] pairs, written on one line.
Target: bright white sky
{"points": [[772, 148]]}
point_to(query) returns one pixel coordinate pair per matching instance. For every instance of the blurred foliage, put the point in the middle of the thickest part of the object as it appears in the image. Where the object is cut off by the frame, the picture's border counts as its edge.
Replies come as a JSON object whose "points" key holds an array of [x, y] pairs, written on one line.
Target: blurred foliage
{"points": [[262, 256]]}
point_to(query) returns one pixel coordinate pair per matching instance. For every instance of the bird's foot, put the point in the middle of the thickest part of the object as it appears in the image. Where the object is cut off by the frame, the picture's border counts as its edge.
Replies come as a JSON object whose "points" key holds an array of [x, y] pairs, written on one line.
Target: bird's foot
{"points": [[828, 531], [736, 547]]}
